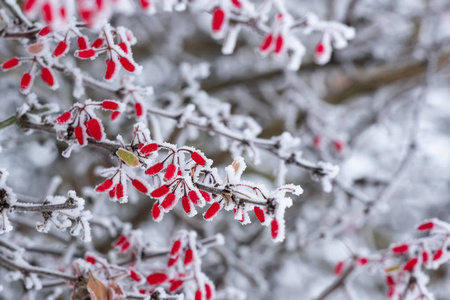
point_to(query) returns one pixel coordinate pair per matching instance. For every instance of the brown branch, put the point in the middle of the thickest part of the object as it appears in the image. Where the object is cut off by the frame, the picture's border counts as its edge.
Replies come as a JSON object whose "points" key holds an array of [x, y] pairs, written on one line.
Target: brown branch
{"points": [[338, 283]]}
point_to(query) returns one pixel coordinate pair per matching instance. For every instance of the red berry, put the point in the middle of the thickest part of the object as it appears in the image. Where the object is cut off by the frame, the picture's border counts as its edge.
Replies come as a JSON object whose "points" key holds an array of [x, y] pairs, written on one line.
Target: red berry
{"points": [[410, 264], [339, 268], [157, 278], [279, 44], [161, 191], [193, 196], [139, 186], [123, 46], [188, 256], [79, 135], [95, 129], [97, 43], [47, 12], [320, 48], [424, 256], [266, 43], [362, 261], [156, 212], [110, 69], [175, 285], [26, 81], [135, 276], [238, 4], [176, 247], [208, 291], [61, 49], [82, 43], [90, 259], [85, 54], [198, 158], [148, 148], [170, 171], [198, 295], [64, 118], [437, 254], [115, 115], [212, 211], [29, 5], [186, 204], [155, 169], [45, 30], [122, 239], [390, 280], [425, 226], [106, 185], [138, 109], [127, 64], [169, 201], [338, 145], [110, 104], [274, 228], [119, 191], [400, 249], [218, 19], [47, 76], [13, 62], [125, 246], [205, 195], [172, 261], [259, 213]]}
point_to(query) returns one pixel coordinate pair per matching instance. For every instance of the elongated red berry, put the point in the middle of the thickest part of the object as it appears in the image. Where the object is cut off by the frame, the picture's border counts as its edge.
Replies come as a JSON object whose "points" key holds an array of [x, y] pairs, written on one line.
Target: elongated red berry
{"points": [[400, 249], [82, 43], [188, 256], [176, 247], [238, 4], [410, 264], [186, 204], [425, 226], [212, 211], [157, 278], [175, 285], [279, 44], [123, 46], [266, 43], [198, 158], [205, 195], [156, 212], [47, 12], [125, 247], [85, 54], [110, 69], [45, 30], [134, 275], [138, 109], [127, 64], [437, 254], [145, 3], [95, 129], [208, 291], [170, 171], [390, 280], [47, 76], [168, 201], [172, 261], [160, 192], [193, 196], [97, 43], [155, 169], [79, 135], [259, 213], [26, 81], [112, 193], [110, 104], [106, 185], [119, 191], [338, 145], [13, 62], [148, 148], [339, 268], [90, 259], [198, 295], [362, 261], [424, 256], [115, 115], [320, 48], [122, 239], [218, 19], [274, 228], [29, 5], [64, 118], [139, 186], [61, 49]]}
